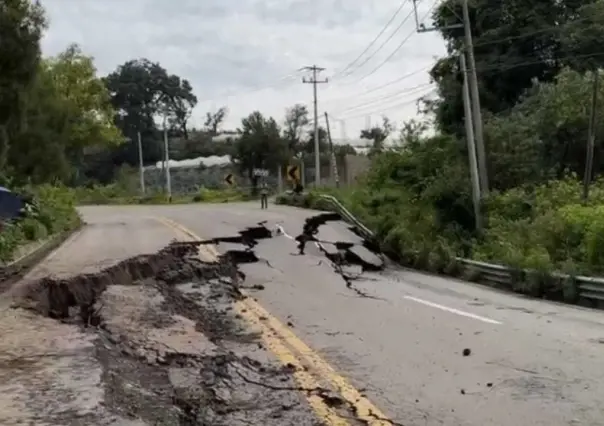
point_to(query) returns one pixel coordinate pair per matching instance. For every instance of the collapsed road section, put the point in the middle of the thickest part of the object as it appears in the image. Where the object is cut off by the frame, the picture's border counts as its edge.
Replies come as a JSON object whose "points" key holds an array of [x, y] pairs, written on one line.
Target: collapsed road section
{"points": [[154, 340], [170, 350]]}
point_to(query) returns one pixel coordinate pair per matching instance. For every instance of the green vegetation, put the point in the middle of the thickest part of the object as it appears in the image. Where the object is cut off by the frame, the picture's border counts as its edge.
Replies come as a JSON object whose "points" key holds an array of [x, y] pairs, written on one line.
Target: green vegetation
{"points": [[116, 195], [54, 213], [536, 70]]}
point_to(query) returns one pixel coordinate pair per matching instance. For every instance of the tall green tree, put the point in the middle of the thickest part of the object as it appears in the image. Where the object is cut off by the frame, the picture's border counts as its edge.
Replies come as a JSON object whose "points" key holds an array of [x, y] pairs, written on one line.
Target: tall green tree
{"points": [[260, 145], [515, 42], [21, 26], [378, 135], [295, 125], [214, 120], [143, 92], [68, 112]]}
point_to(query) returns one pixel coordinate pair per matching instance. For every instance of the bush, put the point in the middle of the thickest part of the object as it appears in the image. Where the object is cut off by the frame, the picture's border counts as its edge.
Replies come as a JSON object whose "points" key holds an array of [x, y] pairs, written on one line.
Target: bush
{"points": [[115, 194], [54, 212], [426, 222]]}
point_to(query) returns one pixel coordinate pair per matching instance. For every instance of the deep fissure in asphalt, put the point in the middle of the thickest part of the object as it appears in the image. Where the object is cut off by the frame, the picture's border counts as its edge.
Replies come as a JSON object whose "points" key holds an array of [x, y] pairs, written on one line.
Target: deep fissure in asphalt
{"points": [[228, 388]]}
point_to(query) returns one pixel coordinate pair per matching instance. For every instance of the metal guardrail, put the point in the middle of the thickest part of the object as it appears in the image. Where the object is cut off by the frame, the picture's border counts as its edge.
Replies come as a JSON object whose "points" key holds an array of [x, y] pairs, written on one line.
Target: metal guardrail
{"points": [[349, 217], [589, 289]]}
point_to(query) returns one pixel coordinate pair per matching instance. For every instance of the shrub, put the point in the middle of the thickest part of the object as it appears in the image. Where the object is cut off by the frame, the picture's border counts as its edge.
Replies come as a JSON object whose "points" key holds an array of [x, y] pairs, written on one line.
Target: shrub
{"points": [[426, 221], [54, 212]]}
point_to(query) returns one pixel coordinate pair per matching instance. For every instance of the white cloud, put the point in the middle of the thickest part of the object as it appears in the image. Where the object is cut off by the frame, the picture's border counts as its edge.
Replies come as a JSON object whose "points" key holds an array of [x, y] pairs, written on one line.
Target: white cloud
{"points": [[237, 52]]}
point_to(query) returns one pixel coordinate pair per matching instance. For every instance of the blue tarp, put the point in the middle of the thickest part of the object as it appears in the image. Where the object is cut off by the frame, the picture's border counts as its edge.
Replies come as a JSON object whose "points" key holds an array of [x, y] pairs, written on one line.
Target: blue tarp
{"points": [[10, 204]]}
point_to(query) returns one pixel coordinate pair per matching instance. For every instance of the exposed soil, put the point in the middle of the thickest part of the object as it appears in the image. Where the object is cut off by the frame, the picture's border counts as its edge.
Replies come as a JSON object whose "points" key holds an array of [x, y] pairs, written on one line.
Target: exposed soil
{"points": [[171, 347]]}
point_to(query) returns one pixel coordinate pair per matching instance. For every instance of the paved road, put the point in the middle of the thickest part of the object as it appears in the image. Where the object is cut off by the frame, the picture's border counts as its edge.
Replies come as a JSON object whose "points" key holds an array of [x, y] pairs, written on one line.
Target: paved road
{"points": [[413, 348]]}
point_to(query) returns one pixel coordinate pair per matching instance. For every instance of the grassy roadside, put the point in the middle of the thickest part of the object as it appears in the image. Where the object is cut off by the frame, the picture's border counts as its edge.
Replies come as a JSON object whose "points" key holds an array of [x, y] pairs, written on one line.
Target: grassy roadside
{"points": [[558, 226], [115, 195], [55, 214]]}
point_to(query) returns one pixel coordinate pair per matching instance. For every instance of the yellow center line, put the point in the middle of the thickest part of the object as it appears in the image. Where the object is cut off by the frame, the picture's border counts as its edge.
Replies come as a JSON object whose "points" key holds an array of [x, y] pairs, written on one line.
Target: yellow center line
{"points": [[364, 409]]}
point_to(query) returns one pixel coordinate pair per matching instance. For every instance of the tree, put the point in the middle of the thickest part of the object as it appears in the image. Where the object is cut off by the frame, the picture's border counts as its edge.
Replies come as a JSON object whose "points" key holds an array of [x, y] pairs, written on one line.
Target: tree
{"points": [[179, 102], [412, 132], [21, 26], [68, 111], [515, 42], [544, 135], [215, 120], [307, 146], [378, 135], [260, 146], [581, 38], [296, 122], [141, 92]]}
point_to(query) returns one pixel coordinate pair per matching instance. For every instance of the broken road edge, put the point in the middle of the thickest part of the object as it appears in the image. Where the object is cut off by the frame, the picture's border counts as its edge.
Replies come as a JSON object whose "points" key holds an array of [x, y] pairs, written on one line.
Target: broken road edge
{"points": [[17, 269]]}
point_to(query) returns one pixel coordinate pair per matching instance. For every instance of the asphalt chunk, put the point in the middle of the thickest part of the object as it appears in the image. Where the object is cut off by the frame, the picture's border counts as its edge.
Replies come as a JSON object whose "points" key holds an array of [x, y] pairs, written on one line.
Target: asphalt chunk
{"points": [[171, 349]]}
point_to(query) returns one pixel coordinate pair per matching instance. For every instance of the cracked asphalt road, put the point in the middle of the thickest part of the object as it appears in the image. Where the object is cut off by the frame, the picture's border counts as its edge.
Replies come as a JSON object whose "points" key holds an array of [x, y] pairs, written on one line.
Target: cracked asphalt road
{"points": [[340, 342]]}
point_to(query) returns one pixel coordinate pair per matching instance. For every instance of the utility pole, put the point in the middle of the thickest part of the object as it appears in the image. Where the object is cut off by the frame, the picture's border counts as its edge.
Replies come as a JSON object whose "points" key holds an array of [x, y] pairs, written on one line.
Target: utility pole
{"points": [[167, 160], [140, 162], [471, 145], [473, 86], [480, 148], [334, 165], [315, 70], [591, 138]]}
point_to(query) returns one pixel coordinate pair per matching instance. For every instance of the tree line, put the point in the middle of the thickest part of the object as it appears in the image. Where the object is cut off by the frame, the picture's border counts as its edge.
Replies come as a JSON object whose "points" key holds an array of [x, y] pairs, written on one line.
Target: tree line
{"points": [[537, 62], [62, 122]]}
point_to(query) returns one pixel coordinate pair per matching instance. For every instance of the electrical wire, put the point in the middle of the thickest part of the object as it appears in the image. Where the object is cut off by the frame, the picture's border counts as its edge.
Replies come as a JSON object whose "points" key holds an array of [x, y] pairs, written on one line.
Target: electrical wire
{"points": [[389, 107], [382, 98], [282, 81], [368, 58], [374, 89], [551, 28], [370, 45], [399, 47]]}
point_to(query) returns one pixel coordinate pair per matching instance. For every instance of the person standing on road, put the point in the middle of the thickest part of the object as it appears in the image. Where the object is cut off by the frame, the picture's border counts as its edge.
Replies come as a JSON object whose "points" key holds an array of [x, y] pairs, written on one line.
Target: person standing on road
{"points": [[264, 196]]}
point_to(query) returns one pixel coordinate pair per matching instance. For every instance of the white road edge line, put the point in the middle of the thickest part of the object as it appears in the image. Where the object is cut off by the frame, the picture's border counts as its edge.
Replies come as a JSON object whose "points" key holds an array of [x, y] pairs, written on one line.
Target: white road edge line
{"points": [[423, 302], [453, 310], [280, 228]]}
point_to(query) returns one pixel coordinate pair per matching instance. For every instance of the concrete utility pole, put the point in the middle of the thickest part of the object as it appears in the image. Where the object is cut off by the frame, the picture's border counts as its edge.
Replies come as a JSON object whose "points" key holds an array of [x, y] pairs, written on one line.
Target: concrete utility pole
{"points": [[315, 70], [334, 164], [591, 138], [140, 162], [471, 146], [167, 159], [480, 148], [473, 87]]}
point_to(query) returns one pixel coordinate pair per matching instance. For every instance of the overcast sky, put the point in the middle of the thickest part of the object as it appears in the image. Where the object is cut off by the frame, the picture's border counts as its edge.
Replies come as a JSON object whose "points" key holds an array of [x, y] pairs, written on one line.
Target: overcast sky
{"points": [[244, 54]]}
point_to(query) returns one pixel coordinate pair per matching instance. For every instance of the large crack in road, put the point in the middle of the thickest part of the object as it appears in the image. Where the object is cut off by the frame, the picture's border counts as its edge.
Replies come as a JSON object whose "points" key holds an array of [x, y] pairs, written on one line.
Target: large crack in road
{"points": [[171, 347]]}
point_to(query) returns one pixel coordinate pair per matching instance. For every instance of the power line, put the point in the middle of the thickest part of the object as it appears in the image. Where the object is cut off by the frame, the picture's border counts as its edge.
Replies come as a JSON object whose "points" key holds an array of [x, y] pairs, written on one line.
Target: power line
{"points": [[390, 107], [382, 98], [550, 28], [254, 88], [367, 59], [375, 89], [399, 47], [373, 41]]}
